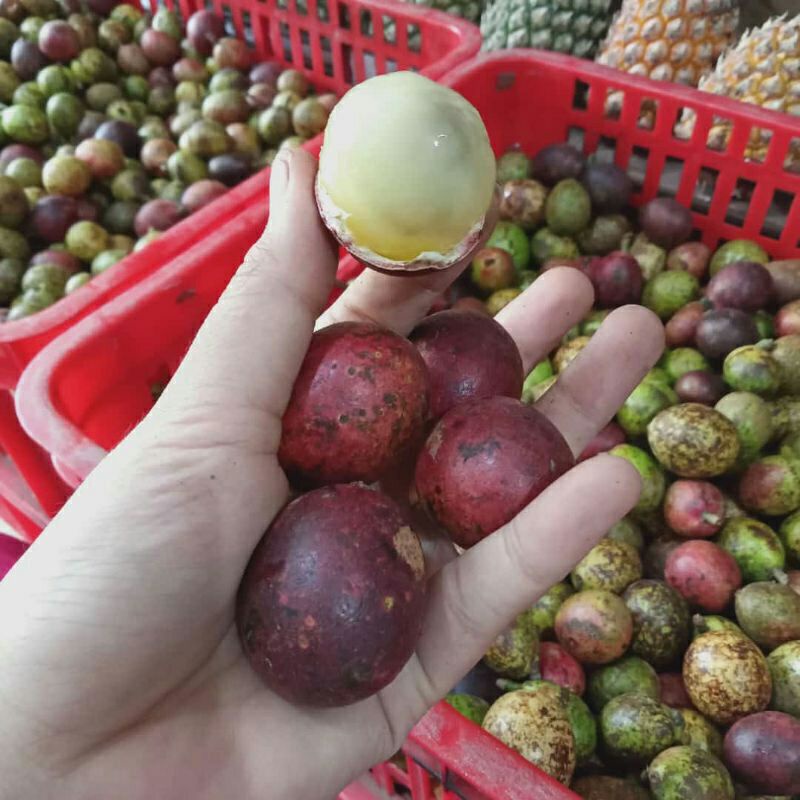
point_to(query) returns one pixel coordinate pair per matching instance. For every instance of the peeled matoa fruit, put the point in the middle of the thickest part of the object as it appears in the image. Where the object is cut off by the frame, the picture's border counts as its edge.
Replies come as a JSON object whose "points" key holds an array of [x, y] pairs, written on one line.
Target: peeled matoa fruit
{"points": [[331, 605], [360, 399], [484, 462], [406, 174]]}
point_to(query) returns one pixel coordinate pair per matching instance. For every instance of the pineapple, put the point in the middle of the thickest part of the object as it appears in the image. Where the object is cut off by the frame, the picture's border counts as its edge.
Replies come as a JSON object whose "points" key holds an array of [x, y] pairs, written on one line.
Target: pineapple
{"points": [[763, 68], [567, 26], [670, 40]]}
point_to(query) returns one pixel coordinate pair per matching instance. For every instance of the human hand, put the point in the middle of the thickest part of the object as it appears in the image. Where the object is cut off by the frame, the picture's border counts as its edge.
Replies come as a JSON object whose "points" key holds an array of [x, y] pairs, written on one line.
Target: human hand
{"points": [[122, 672]]}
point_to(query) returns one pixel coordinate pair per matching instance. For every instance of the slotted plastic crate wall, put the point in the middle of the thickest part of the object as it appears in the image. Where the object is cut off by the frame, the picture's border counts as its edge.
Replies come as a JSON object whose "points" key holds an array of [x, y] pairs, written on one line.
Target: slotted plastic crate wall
{"points": [[336, 43], [86, 390]]}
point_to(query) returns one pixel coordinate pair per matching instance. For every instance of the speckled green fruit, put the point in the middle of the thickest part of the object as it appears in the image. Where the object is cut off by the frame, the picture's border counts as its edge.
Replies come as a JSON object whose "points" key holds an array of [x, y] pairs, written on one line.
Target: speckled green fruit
{"points": [[790, 536], [668, 291], [651, 474], [784, 666], [658, 375], [50, 277], [628, 531], [764, 324], [13, 244], [568, 352], [681, 360], [693, 441], [688, 773], [536, 725], [660, 622], [755, 546], [752, 368], [609, 565], [498, 300], [713, 622], [699, 732], [786, 354], [769, 613], [513, 166], [642, 404], [11, 271], [634, 728], [511, 238], [469, 706], [785, 413], [106, 259], [545, 244], [514, 651], [85, 240], [543, 614], [737, 250], [25, 124], [568, 209], [750, 415], [629, 674]]}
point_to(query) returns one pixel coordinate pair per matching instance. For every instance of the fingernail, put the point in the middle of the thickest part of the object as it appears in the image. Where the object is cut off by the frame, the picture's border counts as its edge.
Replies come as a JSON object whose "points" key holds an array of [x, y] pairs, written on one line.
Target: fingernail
{"points": [[280, 172]]}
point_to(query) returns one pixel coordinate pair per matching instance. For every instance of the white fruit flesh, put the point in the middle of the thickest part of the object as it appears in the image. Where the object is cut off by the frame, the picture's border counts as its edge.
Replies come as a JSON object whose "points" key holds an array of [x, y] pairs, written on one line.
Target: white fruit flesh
{"points": [[406, 171]]}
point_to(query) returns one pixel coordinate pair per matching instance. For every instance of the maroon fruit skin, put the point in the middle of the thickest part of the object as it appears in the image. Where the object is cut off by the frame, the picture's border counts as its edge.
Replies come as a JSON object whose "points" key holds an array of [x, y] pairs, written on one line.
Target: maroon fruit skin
{"points": [[699, 386], [787, 320], [608, 438], [763, 752], [666, 222], [682, 326], [471, 304], [691, 257], [202, 193], [694, 509], [204, 29], [360, 400], [673, 691], [52, 216], [705, 574], [64, 260], [468, 356], [59, 41], [484, 462], [160, 48], [332, 601], [617, 280], [745, 285], [12, 151], [157, 215], [558, 666], [721, 331]]}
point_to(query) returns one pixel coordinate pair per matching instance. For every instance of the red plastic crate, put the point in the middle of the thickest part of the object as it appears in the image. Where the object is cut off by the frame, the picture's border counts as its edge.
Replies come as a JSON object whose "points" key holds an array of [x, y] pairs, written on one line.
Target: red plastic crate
{"points": [[336, 43], [83, 392]]}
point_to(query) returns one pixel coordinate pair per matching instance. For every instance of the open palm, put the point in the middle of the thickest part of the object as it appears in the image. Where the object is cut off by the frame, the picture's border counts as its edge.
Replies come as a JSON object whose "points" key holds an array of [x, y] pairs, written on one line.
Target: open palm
{"points": [[122, 675]]}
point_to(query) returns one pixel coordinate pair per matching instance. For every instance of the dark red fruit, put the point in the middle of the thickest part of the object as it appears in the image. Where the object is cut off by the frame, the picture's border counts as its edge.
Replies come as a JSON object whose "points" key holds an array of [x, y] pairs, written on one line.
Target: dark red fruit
{"points": [[204, 29], [160, 48], [156, 215], [691, 257], [608, 185], [201, 193], [681, 329], [666, 222], [331, 605], [673, 691], [59, 41], [558, 666], [617, 280], [52, 216], [484, 462], [360, 400], [745, 285], [608, 438], [266, 72], [468, 356], [233, 53], [12, 151], [27, 59], [161, 76], [699, 386], [705, 574], [230, 168], [123, 133], [763, 752], [694, 509], [720, 332], [556, 162], [787, 320]]}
